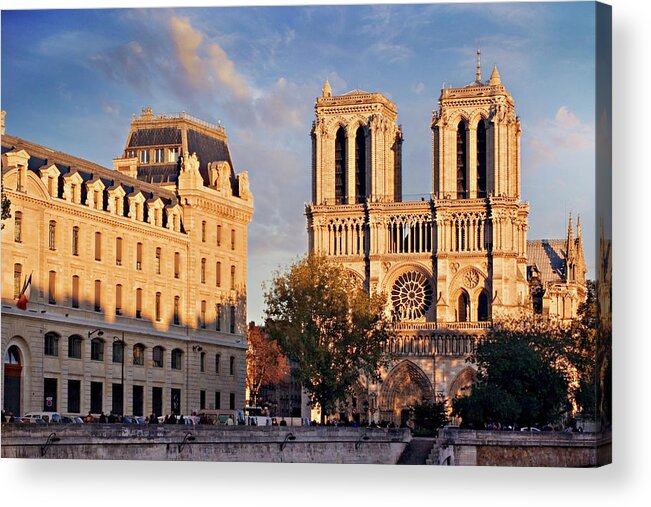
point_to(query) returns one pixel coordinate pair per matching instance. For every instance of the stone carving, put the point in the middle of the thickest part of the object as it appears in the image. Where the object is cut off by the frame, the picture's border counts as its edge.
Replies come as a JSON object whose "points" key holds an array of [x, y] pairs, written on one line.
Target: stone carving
{"points": [[190, 163], [243, 185], [471, 279]]}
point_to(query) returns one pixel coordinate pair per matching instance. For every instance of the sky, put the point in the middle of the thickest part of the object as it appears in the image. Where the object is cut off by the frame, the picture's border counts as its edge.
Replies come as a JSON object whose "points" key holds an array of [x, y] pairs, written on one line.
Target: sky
{"points": [[72, 79]]}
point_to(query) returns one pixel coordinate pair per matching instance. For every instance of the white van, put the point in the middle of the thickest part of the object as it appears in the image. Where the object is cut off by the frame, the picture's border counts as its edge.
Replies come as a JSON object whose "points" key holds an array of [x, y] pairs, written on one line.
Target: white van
{"points": [[47, 417]]}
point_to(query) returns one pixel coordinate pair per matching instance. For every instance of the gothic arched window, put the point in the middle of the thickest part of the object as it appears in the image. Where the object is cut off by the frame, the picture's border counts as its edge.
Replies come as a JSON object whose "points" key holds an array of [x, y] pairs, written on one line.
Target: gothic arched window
{"points": [[482, 307], [481, 159], [340, 166], [463, 307], [462, 150], [360, 165]]}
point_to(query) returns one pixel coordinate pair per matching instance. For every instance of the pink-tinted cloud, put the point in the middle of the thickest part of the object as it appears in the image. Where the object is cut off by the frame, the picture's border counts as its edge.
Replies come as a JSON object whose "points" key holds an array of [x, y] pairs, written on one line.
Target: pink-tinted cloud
{"points": [[205, 67], [187, 41], [554, 139]]}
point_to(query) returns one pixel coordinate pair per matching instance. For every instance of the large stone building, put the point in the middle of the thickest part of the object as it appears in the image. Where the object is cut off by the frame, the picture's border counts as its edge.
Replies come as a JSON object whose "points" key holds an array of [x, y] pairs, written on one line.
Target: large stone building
{"points": [[451, 264], [138, 274]]}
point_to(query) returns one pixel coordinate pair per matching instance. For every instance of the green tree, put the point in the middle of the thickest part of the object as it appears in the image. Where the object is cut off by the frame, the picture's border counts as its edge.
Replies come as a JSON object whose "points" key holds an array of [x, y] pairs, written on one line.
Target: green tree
{"points": [[430, 416], [524, 371], [322, 318]]}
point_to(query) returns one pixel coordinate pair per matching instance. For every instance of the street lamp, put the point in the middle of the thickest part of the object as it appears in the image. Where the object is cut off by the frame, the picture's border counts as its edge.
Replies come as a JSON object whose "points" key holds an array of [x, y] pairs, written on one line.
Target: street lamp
{"points": [[121, 342], [52, 437], [364, 437], [290, 437], [189, 437], [98, 331]]}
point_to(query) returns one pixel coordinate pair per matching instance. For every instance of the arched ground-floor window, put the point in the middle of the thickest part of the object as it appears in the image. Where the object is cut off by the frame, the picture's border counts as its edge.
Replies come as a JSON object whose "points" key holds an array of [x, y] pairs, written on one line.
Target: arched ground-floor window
{"points": [[13, 368]]}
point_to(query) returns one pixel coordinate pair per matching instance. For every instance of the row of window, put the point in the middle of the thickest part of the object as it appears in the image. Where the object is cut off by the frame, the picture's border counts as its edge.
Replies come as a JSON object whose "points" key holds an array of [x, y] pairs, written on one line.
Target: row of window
{"points": [[176, 319], [119, 247], [160, 155], [218, 235], [51, 348], [52, 299], [117, 390]]}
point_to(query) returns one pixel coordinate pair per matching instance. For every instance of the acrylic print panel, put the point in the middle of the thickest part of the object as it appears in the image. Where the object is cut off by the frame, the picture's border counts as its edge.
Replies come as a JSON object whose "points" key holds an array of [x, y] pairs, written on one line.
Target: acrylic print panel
{"points": [[241, 234]]}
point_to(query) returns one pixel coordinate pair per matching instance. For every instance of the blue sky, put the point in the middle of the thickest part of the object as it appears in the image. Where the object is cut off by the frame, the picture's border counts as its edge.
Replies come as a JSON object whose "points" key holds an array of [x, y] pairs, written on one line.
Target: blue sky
{"points": [[71, 79]]}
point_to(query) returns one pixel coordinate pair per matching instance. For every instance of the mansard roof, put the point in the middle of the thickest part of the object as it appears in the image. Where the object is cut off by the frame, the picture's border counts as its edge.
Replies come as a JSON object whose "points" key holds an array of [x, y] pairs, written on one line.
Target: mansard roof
{"points": [[89, 171], [154, 137]]}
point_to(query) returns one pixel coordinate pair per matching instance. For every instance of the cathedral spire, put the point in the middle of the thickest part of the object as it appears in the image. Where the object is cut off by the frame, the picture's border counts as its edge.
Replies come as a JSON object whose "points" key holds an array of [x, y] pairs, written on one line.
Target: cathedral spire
{"points": [[327, 91], [569, 246], [478, 74], [495, 77]]}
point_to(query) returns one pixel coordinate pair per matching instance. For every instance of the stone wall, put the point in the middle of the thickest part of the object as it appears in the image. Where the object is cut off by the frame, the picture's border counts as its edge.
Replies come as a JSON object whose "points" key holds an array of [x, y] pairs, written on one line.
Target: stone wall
{"points": [[523, 449], [237, 443]]}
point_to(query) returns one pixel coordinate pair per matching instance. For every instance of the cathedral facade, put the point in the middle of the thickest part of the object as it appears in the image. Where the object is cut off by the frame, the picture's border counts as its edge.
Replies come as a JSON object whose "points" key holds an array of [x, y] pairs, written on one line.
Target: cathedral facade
{"points": [[450, 265]]}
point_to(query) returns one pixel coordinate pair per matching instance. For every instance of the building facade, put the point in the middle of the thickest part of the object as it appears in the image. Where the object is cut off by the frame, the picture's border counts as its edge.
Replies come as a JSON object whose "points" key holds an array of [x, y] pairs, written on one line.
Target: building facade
{"points": [[138, 274], [449, 265]]}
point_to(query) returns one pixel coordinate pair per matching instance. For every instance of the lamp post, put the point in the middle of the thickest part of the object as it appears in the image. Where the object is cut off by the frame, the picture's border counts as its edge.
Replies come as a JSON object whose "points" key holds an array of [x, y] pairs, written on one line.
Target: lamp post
{"points": [[121, 342]]}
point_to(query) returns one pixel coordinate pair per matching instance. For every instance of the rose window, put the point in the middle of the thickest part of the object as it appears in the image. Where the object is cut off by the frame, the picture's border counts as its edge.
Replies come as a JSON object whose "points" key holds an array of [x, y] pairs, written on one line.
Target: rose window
{"points": [[411, 296], [471, 279]]}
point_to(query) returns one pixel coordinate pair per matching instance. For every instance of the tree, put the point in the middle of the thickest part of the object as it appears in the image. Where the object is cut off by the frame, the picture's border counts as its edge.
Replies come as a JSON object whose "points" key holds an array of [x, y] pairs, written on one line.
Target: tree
{"points": [[523, 377], [265, 363], [430, 416], [322, 318]]}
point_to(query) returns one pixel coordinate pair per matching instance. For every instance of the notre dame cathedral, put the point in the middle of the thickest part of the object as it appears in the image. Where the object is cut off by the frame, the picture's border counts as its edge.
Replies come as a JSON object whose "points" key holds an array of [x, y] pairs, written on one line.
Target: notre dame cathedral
{"points": [[450, 264]]}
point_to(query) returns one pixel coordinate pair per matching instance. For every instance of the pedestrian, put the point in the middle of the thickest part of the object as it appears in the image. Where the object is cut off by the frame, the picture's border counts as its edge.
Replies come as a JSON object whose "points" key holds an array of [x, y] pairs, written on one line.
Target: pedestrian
{"points": [[102, 418]]}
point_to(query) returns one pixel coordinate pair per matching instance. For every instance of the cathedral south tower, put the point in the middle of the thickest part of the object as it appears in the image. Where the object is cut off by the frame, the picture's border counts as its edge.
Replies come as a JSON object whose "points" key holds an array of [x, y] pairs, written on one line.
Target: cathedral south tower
{"points": [[481, 224]]}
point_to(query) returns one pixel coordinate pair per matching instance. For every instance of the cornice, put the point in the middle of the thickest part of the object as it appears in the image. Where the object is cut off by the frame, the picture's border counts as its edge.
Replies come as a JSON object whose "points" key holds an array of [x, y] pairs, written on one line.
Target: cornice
{"points": [[55, 204]]}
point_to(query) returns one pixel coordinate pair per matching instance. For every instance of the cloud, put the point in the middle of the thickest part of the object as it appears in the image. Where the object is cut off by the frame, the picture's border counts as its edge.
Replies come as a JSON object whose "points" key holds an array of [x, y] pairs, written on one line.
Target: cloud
{"points": [[205, 67], [553, 140], [111, 110], [419, 88], [565, 118], [225, 72], [128, 63], [187, 41]]}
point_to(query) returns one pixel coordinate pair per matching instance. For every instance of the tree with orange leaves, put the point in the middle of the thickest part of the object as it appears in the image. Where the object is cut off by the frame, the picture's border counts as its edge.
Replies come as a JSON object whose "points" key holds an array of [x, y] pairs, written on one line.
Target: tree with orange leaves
{"points": [[265, 363]]}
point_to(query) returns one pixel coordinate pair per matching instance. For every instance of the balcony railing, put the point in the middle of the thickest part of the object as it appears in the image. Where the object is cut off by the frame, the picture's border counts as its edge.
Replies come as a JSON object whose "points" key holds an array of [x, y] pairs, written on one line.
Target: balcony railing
{"points": [[434, 326], [432, 345]]}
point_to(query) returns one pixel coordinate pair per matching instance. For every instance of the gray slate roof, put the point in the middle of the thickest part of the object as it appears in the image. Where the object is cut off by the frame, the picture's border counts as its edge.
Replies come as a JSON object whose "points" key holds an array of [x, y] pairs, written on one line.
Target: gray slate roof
{"points": [[548, 255]]}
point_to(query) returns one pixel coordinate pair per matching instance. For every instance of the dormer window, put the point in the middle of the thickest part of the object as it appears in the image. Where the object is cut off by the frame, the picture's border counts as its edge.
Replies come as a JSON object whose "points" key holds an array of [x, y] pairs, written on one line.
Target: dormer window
{"points": [[144, 156], [173, 155], [159, 155]]}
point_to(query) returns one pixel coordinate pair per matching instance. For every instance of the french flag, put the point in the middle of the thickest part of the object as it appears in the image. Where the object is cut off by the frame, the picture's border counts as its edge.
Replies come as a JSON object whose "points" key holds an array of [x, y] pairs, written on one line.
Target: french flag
{"points": [[23, 299]]}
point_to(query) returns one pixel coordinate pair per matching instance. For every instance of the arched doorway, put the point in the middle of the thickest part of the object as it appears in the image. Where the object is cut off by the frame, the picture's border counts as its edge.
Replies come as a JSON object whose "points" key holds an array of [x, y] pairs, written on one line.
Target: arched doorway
{"points": [[462, 384], [405, 386], [12, 380]]}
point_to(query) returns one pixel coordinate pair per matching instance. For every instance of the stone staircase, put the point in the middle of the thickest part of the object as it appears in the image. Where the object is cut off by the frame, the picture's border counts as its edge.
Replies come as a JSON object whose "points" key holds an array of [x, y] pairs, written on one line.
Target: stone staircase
{"points": [[418, 451]]}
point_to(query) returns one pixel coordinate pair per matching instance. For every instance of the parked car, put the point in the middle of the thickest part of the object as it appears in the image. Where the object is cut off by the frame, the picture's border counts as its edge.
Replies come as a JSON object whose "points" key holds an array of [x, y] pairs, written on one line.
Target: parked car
{"points": [[46, 417], [531, 429], [133, 419]]}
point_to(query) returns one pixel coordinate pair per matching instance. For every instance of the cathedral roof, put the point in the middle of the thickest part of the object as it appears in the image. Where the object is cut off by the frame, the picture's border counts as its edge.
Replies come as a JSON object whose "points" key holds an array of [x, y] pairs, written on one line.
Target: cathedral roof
{"points": [[548, 256]]}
